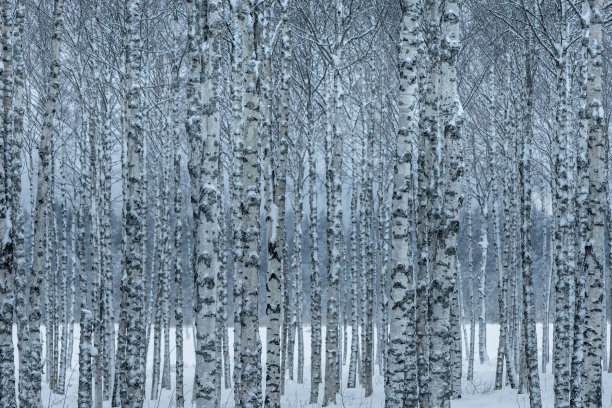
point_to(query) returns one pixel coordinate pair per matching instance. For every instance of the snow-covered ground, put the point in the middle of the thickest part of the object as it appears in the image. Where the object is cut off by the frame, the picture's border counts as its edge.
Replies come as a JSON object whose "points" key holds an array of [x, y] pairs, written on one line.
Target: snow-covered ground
{"points": [[477, 393]]}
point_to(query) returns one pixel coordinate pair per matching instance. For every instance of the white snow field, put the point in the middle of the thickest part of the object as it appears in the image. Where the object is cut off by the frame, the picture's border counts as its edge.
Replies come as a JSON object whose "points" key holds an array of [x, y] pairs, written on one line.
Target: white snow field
{"points": [[476, 394]]}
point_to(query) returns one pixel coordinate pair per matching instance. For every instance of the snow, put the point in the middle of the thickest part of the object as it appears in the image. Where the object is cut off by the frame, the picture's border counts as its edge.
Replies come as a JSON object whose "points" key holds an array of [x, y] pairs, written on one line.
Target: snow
{"points": [[93, 351], [477, 393]]}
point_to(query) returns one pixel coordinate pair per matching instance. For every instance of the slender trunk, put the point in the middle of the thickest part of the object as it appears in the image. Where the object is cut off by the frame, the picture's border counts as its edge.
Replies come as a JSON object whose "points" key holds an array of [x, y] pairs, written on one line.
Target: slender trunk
{"points": [[18, 212], [401, 387], [594, 249], [250, 357], [94, 253], [445, 268], [564, 250], [235, 229], [165, 266], [178, 254], [315, 277], [204, 172], [61, 380], [275, 221], [10, 188], [369, 256], [297, 267], [427, 195], [482, 299], [334, 231], [581, 193], [546, 322], [352, 373], [531, 346], [502, 285], [108, 301], [157, 300], [133, 365], [470, 373]]}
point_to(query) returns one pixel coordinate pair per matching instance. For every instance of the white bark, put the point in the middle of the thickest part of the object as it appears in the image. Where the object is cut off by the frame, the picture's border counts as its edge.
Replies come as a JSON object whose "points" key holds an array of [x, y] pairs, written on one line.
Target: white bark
{"points": [[19, 259], [10, 187], [482, 299], [132, 370], [470, 373], [445, 267], [594, 250], [204, 177], [530, 341], [250, 354], [334, 178], [63, 359], [315, 277], [178, 264], [401, 388], [276, 174]]}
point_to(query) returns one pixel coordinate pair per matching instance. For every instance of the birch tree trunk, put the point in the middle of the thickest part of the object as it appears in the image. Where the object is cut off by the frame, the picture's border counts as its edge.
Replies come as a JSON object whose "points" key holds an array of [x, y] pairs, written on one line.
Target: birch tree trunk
{"points": [[204, 179], [531, 346], [74, 281], [368, 329], [445, 268], [401, 388], [134, 223], [178, 264], [315, 277], [49, 287], [276, 227], [250, 358], [581, 221], [363, 228], [94, 254], [354, 357], [334, 178], [157, 276], [165, 267], [61, 380], [608, 175], [108, 321], [546, 232], [427, 194], [18, 212], [10, 188], [84, 397], [470, 373], [564, 250], [594, 250], [297, 263], [235, 228], [482, 276], [273, 222]]}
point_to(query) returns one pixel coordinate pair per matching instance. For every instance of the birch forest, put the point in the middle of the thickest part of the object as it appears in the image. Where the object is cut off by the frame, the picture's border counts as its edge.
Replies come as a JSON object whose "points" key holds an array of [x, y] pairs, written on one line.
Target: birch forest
{"points": [[305, 203]]}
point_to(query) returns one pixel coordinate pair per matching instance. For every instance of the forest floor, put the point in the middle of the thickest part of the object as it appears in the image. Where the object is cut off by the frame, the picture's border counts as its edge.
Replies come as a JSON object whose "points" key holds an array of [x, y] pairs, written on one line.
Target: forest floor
{"points": [[477, 393]]}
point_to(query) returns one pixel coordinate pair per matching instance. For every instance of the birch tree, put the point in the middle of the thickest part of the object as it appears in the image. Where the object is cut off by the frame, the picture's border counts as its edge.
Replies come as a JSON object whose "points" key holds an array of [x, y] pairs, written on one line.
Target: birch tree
{"points": [[9, 201], [250, 359], [531, 347], [132, 370], [401, 388], [594, 249], [206, 223], [445, 268]]}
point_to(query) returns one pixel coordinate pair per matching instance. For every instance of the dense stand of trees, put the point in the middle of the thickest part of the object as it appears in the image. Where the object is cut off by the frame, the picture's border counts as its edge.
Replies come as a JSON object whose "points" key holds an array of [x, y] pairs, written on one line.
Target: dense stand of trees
{"points": [[387, 176]]}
